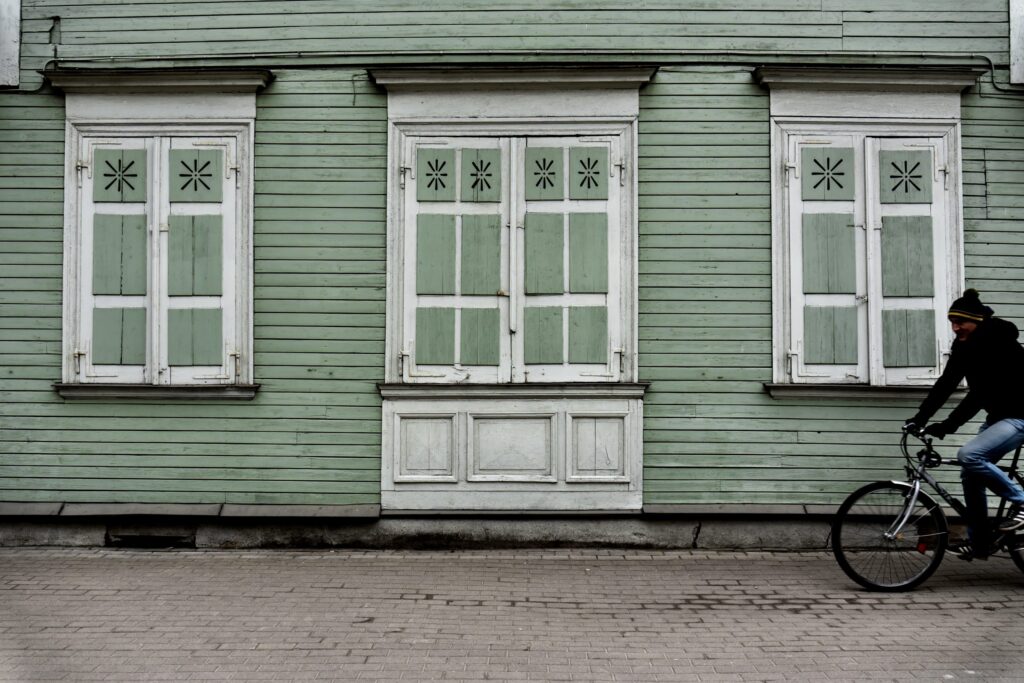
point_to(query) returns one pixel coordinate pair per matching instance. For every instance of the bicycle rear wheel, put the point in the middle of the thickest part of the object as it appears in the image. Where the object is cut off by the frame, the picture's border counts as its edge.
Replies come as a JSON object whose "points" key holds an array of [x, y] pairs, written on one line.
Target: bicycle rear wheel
{"points": [[875, 550]]}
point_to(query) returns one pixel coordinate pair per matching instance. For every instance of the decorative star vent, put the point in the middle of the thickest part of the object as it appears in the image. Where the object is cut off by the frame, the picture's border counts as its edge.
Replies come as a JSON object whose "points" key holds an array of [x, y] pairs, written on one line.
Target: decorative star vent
{"points": [[545, 173], [481, 175], [195, 175], [829, 172], [590, 172], [119, 175], [905, 176], [436, 174]]}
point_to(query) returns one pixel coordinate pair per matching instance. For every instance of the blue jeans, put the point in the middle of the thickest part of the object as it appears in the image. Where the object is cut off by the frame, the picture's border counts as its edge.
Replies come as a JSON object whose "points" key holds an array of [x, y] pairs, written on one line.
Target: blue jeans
{"points": [[978, 457]]}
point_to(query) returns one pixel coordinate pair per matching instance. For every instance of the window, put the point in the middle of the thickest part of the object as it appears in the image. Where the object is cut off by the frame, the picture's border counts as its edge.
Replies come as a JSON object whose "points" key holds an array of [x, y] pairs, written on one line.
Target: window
{"points": [[158, 258], [514, 258], [867, 247], [511, 380], [870, 238], [158, 246]]}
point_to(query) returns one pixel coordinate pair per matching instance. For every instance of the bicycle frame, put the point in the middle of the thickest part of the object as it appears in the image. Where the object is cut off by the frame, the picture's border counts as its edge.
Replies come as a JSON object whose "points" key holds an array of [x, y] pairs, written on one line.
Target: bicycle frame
{"points": [[917, 473]]}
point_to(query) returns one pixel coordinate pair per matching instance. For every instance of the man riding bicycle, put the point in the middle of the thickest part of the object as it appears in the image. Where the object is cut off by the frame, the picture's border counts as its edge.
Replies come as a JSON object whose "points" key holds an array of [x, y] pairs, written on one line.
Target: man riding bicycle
{"points": [[985, 352]]}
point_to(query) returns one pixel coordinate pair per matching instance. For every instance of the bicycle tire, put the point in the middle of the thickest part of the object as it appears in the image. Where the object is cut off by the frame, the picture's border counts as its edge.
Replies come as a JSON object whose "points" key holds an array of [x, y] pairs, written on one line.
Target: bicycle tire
{"points": [[1016, 551], [880, 563]]}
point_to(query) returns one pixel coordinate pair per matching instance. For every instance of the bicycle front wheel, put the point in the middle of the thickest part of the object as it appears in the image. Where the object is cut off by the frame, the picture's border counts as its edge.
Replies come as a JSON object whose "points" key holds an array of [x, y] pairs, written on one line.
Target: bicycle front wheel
{"points": [[887, 541]]}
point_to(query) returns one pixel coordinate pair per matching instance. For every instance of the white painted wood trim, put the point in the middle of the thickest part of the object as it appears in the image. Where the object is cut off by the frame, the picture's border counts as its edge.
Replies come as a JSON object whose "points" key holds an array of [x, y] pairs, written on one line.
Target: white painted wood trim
{"points": [[168, 81], [901, 80], [537, 78], [10, 43], [1017, 42]]}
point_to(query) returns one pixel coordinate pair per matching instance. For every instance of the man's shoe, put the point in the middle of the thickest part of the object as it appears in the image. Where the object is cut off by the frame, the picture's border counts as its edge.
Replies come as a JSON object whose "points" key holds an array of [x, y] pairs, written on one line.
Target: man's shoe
{"points": [[1014, 521], [965, 551]]}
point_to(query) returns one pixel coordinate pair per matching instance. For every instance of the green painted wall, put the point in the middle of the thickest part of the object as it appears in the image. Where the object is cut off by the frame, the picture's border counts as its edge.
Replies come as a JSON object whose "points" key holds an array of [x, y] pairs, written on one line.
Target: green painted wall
{"points": [[712, 435], [313, 433]]}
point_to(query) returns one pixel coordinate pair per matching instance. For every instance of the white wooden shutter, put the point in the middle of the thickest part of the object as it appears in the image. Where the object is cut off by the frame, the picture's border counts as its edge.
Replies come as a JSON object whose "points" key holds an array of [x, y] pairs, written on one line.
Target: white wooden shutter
{"points": [[907, 209], [827, 257], [199, 278], [115, 283], [570, 297], [455, 281]]}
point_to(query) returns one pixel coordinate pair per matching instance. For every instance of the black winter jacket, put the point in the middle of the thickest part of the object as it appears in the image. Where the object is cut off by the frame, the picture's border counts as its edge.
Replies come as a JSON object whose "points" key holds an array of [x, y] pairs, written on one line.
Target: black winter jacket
{"points": [[992, 360]]}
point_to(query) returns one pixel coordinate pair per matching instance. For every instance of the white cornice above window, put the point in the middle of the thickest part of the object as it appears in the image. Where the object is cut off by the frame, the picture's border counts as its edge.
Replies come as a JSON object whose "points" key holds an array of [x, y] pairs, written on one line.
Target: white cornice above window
{"points": [[522, 93], [160, 94], [819, 91]]}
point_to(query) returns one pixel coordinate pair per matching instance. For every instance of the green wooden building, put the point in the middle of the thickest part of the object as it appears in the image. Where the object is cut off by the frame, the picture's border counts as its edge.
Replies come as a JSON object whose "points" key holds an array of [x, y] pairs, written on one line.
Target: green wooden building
{"points": [[330, 259]]}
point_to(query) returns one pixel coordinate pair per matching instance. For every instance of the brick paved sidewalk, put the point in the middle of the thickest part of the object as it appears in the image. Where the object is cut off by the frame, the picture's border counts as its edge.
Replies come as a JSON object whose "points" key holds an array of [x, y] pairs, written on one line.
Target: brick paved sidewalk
{"points": [[553, 615]]}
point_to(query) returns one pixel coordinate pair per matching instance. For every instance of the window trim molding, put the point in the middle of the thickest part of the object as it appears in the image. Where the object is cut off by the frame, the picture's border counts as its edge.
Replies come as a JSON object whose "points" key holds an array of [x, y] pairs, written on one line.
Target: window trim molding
{"points": [[242, 131], [10, 43], [781, 128]]}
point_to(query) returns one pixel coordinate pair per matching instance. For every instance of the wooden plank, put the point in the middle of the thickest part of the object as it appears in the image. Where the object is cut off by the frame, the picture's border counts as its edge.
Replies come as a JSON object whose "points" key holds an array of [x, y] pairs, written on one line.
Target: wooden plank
{"points": [[479, 336], [544, 253], [435, 336], [435, 254], [481, 254], [542, 335], [588, 252], [588, 334]]}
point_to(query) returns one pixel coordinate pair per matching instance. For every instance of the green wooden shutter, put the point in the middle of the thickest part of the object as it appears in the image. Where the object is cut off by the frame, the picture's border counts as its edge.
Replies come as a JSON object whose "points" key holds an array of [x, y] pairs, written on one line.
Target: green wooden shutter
{"points": [[830, 335], [435, 175], [545, 237], [588, 334], [120, 255], [195, 336], [196, 175], [481, 255], [588, 252], [195, 256], [829, 254], [119, 175], [907, 261], [542, 335], [479, 336], [435, 336], [826, 174], [905, 177], [588, 173], [435, 254], [481, 175], [119, 336], [908, 338], [544, 173]]}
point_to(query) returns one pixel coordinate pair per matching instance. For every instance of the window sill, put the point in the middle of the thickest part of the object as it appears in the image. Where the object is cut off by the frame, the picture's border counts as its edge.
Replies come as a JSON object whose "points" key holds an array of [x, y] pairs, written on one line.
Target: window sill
{"points": [[849, 391], [233, 392]]}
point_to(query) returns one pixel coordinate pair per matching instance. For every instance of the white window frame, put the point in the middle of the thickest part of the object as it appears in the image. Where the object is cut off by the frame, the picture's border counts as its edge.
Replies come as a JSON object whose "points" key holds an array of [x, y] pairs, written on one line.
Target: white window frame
{"points": [[217, 106], [10, 43], [786, 290], [158, 141], [1016, 42], [512, 139]]}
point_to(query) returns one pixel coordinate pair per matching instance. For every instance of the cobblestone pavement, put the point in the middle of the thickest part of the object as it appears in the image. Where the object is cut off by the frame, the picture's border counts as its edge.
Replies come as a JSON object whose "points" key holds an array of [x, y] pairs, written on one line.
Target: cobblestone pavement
{"points": [[552, 615]]}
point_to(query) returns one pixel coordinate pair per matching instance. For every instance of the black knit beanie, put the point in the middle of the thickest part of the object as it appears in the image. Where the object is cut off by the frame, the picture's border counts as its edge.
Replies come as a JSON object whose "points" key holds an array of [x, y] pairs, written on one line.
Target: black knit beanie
{"points": [[969, 307]]}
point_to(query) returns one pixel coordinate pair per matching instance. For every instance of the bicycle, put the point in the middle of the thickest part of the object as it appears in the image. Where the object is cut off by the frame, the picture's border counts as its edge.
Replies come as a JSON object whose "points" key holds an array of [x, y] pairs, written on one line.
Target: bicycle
{"points": [[892, 535]]}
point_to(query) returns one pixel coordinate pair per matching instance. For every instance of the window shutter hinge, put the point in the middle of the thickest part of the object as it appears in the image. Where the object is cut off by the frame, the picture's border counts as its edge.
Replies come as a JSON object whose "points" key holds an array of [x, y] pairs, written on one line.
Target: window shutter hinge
{"points": [[77, 355], [944, 170], [165, 227], [238, 363], [404, 171], [861, 299], [790, 168], [621, 165]]}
